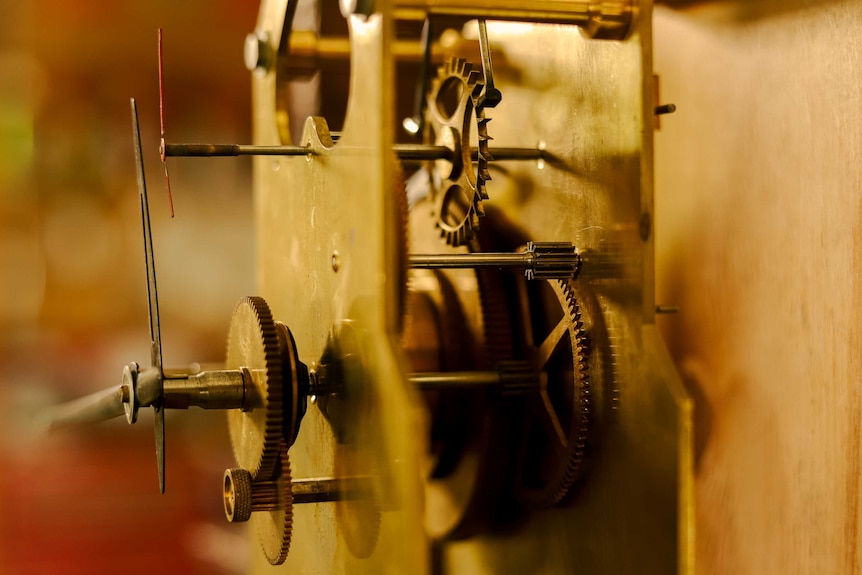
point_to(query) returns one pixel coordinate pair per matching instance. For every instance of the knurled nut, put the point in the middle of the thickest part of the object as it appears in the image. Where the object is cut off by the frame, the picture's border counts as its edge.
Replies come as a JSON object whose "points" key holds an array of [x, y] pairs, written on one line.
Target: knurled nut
{"points": [[237, 495], [244, 496]]}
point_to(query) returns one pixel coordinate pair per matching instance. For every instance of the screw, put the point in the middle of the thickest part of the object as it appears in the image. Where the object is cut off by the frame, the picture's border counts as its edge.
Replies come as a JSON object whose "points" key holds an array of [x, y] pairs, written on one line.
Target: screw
{"points": [[359, 7], [257, 52], [665, 109]]}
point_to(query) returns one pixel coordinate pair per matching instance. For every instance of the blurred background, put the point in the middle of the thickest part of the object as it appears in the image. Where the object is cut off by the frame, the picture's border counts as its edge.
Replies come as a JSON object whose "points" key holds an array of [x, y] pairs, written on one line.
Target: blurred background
{"points": [[73, 308], [757, 215]]}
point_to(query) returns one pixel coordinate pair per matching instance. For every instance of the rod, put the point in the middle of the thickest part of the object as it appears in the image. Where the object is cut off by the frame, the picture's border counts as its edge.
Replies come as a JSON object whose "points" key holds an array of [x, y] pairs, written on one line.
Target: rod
{"points": [[222, 150], [94, 408], [455, 379], [317, 490], [408, 152], [497, 260]]}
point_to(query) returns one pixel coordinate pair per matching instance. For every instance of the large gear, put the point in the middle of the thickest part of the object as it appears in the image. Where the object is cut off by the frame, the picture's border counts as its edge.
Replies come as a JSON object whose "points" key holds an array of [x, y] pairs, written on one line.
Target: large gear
{"points": [[471, 455], [256, 432], [358, 511], [552, 452], [275, 527], [452, 105], [402, 209]]}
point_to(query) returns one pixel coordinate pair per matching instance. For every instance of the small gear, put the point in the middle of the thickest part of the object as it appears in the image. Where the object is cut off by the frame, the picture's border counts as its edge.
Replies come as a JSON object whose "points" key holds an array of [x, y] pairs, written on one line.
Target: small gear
{"points": [[452, 105], [275, 527], [256, 432], [556, 433]]}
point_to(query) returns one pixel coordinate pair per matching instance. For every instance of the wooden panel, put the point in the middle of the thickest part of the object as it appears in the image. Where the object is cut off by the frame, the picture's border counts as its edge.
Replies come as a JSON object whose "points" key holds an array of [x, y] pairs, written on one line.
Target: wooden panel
{"points": [[758, 191]]}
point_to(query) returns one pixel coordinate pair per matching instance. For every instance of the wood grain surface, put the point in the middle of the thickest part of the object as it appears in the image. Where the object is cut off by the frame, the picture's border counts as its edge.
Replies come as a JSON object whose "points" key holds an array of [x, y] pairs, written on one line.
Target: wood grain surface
{"points": [[758, 222]]}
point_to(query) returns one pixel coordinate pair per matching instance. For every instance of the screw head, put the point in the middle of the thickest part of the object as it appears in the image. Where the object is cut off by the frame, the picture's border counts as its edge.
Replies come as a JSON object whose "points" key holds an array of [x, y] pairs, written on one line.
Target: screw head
{"points": [[360, 7], [256, 52]]}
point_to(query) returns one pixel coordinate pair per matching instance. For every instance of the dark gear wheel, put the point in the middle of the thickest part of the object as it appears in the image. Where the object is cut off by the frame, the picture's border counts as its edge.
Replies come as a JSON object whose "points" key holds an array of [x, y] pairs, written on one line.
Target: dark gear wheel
{"points": [[467, 493], [256, 431], [295, 384], [555, 436], [452, 106], [275, 527]]}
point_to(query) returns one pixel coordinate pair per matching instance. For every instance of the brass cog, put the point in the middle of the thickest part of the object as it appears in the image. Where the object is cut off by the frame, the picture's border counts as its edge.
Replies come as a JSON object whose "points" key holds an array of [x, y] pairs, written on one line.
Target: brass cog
{"points": [[556, 433], [275, 528], [256, 432], [452, 104]]}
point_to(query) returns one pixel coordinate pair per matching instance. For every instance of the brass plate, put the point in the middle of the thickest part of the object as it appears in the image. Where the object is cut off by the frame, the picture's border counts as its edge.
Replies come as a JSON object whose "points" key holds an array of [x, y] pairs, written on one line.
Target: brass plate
{"points": [[588, 103], [310, 211]]}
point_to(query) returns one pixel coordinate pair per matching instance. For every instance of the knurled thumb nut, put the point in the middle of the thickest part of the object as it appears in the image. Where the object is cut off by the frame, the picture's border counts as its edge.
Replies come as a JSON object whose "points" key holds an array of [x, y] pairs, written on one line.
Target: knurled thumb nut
{"points": [[237, 495], [242, 496]]}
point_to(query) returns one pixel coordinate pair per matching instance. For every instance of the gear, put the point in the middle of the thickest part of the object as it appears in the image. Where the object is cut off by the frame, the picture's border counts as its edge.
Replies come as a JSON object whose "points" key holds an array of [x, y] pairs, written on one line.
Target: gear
{"points": [[401, 215], [452, 104], [358, 512], [555, 436], [474, 454], [275, 527], [295, 379], [256, 432]]}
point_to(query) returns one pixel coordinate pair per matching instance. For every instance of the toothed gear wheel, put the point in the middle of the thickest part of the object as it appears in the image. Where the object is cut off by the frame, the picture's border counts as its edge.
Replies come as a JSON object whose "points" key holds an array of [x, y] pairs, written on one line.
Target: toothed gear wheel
{"points": [[556, 434], [256, 433], [452, 105], [275, 528]]}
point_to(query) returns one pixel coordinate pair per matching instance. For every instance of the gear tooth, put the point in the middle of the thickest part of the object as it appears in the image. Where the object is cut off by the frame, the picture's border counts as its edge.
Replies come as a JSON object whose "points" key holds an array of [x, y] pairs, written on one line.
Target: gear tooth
{"points": [[474, 220], [474, 77]]}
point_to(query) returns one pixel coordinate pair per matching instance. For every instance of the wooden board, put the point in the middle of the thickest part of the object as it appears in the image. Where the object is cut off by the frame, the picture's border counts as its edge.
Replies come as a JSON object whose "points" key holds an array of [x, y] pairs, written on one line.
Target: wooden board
{"points": [[758, 192]]}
